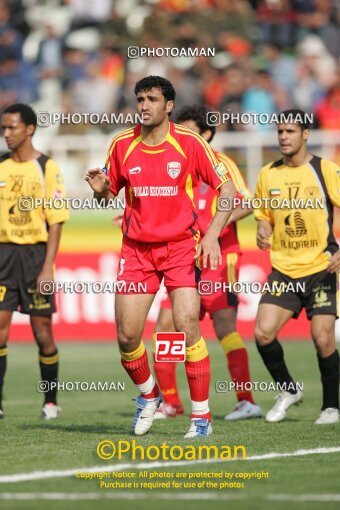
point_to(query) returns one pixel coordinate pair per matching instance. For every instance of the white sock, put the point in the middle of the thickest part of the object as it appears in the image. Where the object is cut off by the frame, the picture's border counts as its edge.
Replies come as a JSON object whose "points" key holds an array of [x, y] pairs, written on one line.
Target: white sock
{"points": [[147, 386], [200, 408]]}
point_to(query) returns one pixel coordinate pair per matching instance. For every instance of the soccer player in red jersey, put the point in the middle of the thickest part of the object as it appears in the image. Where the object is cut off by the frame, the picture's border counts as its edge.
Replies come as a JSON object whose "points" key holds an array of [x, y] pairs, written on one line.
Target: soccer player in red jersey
{"points": [[159, 164], [220, 305]]}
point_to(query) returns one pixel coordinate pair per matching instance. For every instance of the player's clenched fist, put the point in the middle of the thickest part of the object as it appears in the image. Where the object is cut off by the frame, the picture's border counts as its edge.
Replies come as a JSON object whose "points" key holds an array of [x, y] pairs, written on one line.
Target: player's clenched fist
{"points": [[264, 231], [334, 263], [98, 181]]}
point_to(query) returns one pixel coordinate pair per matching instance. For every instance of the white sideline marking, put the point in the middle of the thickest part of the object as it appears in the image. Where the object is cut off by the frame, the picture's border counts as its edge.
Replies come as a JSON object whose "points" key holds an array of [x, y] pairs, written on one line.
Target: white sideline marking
{"points": [[41, 475], [25, 496], [61, 496], [303, 497]]}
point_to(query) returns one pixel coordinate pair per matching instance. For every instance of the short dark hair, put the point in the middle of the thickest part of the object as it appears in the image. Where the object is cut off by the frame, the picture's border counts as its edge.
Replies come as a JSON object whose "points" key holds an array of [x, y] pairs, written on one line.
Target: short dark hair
{"points": [[157, 82], [27, 114], [295, 116], [198, 114]]}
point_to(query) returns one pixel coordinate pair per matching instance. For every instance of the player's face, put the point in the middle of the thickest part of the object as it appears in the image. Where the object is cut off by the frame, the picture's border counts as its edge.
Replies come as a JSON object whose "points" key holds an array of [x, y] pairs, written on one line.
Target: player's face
{"points": [[291, 138], [15, 131], [153, 107]]}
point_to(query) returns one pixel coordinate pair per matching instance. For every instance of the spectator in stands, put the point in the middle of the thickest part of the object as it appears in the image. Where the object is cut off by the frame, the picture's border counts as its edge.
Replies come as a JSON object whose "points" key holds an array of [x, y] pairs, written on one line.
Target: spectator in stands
{"points": [[260, 98], [276, 21], [307, 90], [234, 84], [281, 67], [10, 39], [49, 60]]}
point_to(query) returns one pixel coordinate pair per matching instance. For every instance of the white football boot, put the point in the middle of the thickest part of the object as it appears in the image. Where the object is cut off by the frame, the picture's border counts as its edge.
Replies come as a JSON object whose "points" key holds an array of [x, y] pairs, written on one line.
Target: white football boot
{"points": [[244, 410], [328, 416], [200, 427], [145, 414], [283, 402], [165, 411], [50, 411]]}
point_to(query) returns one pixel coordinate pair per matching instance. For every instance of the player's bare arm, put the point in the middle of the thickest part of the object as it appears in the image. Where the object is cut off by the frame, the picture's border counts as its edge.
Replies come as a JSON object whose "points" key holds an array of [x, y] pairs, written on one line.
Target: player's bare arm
{"points": [[239, 213], [209, 246], [334, 263], [46, 273], [264, 231], [100, 183]]}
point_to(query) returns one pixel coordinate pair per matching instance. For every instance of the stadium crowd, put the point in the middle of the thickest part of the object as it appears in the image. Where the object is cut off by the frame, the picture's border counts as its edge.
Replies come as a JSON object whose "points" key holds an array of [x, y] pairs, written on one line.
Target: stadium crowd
{"points": [[71, 55]]}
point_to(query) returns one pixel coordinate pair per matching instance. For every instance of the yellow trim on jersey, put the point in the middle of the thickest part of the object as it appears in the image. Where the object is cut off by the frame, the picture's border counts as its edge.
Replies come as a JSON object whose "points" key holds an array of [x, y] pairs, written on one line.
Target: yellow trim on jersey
{"points": [[131, 356], [115, 140], [231, 267], [49, 360], [214, 206], [127, 133], [232, 342], [235, 173], [153, 152], [197, 352], [161, 142], [209, 152], [224, 179], [189, 189], [175, 144], [134, 144], [131, 195], [3, 351]]}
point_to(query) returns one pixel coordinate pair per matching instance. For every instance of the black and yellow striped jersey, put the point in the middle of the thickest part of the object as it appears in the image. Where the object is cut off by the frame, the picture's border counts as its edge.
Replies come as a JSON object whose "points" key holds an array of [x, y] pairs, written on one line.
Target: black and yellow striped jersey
{"points": [[298, 202], [35, 179]]}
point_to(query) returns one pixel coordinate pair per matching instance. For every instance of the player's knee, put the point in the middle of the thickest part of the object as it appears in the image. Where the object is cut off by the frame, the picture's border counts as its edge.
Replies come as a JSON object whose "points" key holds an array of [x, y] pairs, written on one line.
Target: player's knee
{"points": [[263, 334], [44, 337], [324, 342], [4, 333], [223, 328], [189, 326], [127, 340]]}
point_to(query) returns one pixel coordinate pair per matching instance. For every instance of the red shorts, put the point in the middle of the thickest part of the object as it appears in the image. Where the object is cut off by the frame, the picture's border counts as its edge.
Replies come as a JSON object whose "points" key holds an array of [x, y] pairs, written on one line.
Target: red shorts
{"points": [[143, 265], [221, 298]]}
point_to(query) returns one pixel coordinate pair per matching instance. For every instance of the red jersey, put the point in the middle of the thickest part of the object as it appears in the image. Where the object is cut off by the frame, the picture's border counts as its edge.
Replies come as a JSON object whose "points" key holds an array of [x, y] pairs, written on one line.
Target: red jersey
{"points": [[206, 198], [159, 182]]}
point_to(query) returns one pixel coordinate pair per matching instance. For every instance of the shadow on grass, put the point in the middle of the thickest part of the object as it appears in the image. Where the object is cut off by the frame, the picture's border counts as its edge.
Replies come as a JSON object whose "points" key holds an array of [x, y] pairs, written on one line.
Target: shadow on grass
{"points": [[75, 427]]}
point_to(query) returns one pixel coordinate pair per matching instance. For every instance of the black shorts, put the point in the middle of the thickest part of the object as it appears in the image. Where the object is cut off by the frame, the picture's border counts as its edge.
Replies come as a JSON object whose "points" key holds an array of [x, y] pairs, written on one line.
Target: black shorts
{"points": [[318, 297], [20, 266]]}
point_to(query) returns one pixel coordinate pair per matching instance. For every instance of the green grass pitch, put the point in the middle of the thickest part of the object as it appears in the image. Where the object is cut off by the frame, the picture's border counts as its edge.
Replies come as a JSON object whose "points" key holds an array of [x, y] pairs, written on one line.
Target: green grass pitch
{"points": [[28, 444]]}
